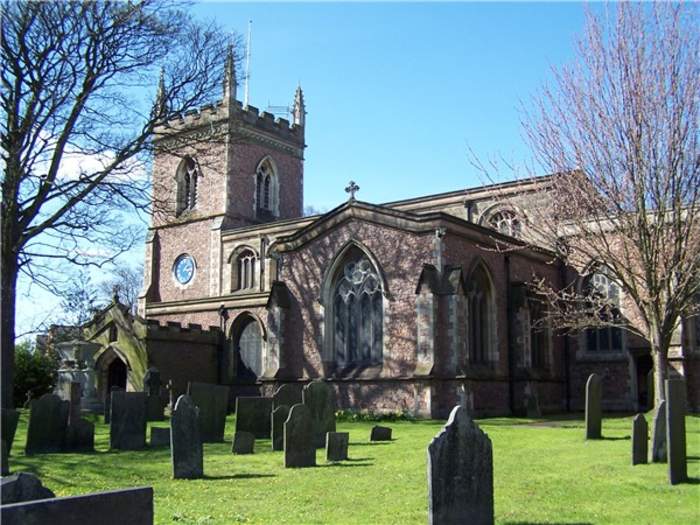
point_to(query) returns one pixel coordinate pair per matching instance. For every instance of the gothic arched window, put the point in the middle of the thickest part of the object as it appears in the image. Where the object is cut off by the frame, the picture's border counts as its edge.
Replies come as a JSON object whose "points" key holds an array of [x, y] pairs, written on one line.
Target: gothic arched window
{"points": [[539, 334], [249, 349], [266, 191], [243, 270], [358, 313], [186, 182], [481, 315], [604, 338], [506, 222]]}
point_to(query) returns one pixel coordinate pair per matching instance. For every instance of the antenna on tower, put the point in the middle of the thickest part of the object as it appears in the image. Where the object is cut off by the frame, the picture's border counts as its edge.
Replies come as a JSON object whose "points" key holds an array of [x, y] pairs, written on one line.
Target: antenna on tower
{"points": [[247, 65]]}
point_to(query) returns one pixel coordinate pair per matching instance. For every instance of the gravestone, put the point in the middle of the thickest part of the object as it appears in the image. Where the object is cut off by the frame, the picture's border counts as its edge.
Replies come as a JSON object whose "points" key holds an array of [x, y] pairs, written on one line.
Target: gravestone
{"points": [[279, 416], [108, 403], [80, 436], [118, 507], [9, 422], [337, 446], [594, 410], [658, 434], [212, 401], [299, 449], [253, 414], [185, 441], [320, 399], [48, 418], [127, 427], [675, 431], [4, 460], [460, 473], [640, 438], [243, 443], [288, 395], [152, 386], [74, 395], [160, 437], [22, 486], [380, 433]]}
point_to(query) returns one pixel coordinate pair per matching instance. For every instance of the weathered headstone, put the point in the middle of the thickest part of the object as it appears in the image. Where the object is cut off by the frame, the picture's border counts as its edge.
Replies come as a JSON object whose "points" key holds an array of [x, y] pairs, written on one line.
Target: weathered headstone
{"points": [[160, 437], [152, 386], [22, 486], [243, 443], [658, 434], [279, 416], [288, 395], [675, 431], [594, 410], [460, 473], [4, 460], [74, 395], [337, 446], [253, 414], [299, 449], [185, 441], [80, 436], [212, 401], [118, 507], [108, 403], [9, 421], [380, 433], [640, 438], [48, 418], [127, 428], [320, 399]]}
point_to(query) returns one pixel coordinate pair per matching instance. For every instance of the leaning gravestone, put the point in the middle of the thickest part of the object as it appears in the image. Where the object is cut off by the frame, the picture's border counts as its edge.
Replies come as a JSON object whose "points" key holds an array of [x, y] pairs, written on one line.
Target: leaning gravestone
{"points": [[299, 449], [48, 418], [9, 421], [594, 410], [319, 397], [460, 473], [253, 414], [380, 433], [185, 441], [658, 434], [152, 386], [127, 428], [160, 437], [337, 446], [289, 395], [243, 443], [675, 431], [212, 401], [108, 403], [640, 438], [279, 416]]}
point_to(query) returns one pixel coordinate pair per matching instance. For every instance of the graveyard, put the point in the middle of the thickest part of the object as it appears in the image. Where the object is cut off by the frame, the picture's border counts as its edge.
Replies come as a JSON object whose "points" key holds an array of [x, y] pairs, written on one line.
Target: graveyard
{"points": [[545, 471]]}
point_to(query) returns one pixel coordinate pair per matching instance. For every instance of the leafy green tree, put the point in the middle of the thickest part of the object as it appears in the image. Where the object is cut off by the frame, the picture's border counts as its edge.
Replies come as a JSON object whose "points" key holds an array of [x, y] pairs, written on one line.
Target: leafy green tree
{"points": [[35, 373]]}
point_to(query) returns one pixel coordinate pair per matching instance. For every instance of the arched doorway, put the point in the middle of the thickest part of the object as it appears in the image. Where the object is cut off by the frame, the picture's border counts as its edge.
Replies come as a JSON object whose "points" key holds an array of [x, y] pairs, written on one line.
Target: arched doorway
{"points": [[116, 374], [248, 350]]}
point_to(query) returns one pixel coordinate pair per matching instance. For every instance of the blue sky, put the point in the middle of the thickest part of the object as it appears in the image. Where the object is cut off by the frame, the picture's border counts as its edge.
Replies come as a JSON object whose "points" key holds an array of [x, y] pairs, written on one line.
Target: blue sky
{"points": [[395, 92]]}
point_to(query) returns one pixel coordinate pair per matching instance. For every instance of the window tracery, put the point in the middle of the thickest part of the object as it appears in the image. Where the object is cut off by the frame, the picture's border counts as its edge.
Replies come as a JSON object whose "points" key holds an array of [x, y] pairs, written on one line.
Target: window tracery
{"points": [[186, 181], [506, 222], [605, 338]]}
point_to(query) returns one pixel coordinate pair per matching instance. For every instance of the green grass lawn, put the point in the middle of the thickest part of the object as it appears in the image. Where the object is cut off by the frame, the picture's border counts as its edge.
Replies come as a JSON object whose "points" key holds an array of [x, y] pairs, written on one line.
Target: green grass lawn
{"points": [[545, 472]]}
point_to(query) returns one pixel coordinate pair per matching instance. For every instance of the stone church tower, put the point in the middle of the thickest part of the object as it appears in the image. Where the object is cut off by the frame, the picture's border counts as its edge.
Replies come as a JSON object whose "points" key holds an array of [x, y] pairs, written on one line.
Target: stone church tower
{"points": [[224, 167]]}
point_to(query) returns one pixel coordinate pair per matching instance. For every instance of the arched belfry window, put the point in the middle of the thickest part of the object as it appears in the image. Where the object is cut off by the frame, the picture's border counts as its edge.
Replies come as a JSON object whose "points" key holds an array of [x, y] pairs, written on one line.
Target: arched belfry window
{"points": [[507, 222], [607, 292], [358, 312], [186, 179], [481, 317], [266, 191], [243, 270]]}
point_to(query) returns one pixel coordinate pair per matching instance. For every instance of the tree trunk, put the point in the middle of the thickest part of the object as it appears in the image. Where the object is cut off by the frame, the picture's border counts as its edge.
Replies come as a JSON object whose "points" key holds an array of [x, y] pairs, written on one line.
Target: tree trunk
{"points": [[8, 297], [660, 374]]}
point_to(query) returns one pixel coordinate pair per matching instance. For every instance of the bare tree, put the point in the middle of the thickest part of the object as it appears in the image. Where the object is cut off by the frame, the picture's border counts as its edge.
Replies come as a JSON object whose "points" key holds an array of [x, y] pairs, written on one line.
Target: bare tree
{"points": [[619, 129], [77, 128], [125, 281]]}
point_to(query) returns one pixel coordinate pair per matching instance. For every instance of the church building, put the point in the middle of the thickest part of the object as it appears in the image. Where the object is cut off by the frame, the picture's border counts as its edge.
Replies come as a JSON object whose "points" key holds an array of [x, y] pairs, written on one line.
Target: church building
{"points": [[407, 306]]}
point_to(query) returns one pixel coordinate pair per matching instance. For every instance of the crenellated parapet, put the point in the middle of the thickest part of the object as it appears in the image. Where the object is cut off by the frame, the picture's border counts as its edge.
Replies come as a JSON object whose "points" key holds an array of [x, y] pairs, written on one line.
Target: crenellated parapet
{"points": [[175, 331]]}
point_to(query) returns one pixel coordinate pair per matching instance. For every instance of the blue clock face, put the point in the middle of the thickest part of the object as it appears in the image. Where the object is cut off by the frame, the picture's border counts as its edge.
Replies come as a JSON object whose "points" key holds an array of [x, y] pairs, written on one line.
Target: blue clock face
{"points": [[184, 269]]}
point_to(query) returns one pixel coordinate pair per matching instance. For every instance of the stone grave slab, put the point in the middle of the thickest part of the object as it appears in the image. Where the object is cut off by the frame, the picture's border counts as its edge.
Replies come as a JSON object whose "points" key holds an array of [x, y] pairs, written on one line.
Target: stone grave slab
{"points": [[279, 416], [337, 446], [20, 487], [288, 394], [212, 401], [594, 409], [320, 399], [675, 431], [80, 436], [48, 418], [640, 439], [299, 449], [380, 433], [253, 414], [127, 427], [160, 437], [460, 473], [658, 434], [243, 443], [185, 441], [108, 403]]}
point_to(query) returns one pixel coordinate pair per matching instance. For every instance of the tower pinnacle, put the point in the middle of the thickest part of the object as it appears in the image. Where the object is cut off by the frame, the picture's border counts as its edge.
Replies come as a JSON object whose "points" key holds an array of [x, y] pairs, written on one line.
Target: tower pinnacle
{"points": [[230, 83], [299, 110]]}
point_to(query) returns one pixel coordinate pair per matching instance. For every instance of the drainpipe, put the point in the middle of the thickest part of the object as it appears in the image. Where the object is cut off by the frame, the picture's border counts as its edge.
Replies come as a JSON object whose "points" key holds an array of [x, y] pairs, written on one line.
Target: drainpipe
{"points": [[509, 337], [567, 372]]}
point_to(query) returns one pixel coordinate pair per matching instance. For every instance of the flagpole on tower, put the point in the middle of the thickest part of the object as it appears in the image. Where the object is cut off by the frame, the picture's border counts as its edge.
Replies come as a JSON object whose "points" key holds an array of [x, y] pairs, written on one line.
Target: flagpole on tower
{"points": [[247, 65]]}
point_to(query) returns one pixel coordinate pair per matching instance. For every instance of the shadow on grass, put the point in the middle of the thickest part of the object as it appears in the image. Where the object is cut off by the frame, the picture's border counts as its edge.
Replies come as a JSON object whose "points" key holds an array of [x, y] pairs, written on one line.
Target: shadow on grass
{"points": [[239, 476], [347, 465], [372, 443], [359, 459], [608, 438], [692, 481], [548, 522]]}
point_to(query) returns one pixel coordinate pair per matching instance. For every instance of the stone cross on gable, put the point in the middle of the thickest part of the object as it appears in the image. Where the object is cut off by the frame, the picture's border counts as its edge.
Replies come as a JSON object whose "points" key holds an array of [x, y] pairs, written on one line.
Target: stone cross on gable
{"points": [[352, 188]]}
